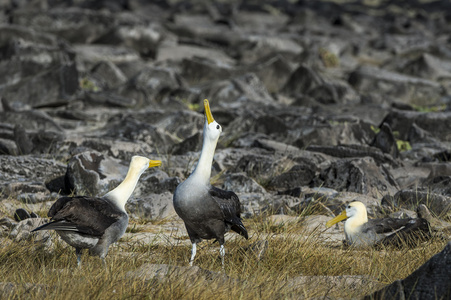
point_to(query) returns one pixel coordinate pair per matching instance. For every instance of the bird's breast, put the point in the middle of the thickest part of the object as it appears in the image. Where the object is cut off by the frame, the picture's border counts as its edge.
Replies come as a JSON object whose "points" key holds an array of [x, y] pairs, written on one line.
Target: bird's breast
{"points": [[193, 202]]}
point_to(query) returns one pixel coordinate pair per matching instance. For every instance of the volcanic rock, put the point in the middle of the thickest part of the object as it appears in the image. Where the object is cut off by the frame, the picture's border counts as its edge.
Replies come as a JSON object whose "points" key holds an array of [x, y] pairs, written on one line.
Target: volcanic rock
{"points": [[438, 204], [320, 102], [93, 174], [430, 281], [361, 176], [191, 275], [151, 207]]}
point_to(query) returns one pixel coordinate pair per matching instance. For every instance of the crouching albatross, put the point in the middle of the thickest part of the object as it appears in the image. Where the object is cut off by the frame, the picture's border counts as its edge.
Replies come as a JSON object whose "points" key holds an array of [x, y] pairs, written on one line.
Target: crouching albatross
{"points": [[362, 232], [95, 223], [208, 212]]}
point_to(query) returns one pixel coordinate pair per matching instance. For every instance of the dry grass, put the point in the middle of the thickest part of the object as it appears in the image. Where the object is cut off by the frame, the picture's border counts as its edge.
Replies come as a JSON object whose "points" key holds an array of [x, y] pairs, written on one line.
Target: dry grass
{"points": [[37, 273]]}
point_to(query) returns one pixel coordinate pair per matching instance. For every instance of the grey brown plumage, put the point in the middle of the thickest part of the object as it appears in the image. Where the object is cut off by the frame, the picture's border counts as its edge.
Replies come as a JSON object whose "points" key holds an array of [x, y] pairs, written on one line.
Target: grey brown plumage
{"points": [[408, 233], [231, 208], [208, 212], [77, 214], [95, 223], [361, 231], [216, 212]]}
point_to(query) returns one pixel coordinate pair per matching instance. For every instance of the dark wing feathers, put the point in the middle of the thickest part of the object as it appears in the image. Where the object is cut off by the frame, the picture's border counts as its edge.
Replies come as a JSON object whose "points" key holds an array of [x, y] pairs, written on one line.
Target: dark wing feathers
{"points": [[415, 231], [227, 200], [230, 206], [87, 215], [58, 205], [67, 226], [387, 225]]}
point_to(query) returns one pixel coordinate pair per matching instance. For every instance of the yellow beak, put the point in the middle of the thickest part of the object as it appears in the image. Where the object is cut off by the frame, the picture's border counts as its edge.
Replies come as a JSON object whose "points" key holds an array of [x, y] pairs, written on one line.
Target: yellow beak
{"points": [[154, 163], [337, 219], [208, 112]]}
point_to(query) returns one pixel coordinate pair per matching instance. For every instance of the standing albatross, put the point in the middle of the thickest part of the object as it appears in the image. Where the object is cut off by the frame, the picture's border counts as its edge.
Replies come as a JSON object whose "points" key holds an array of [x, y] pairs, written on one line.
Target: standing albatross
{"points": [[361, 232], [208, 212], [95, 223]]}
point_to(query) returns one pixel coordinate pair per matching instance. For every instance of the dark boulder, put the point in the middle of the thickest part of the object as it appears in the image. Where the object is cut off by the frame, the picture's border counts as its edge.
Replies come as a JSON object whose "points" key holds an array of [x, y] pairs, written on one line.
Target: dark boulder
{"points": [[108, 99], [385, 141], [153, 80], [120, 149], [274, 70], [255, 166], [348, 151], [151, 206], [299, 175], [331, 133], [47, 86], [93, 174], [22, 214], [199, 70], [193, 143], [31, 120], [438, 204], [255, 48], [428, 66], [241, 183], [429, 281], [127, 128], [157, 182], [243, 88], [23, 171], [38, 69], [396, 85], [360, 175], [73, 24], [106, 75], [8, 147], [88, 55], [143, 38], [302, 80]]}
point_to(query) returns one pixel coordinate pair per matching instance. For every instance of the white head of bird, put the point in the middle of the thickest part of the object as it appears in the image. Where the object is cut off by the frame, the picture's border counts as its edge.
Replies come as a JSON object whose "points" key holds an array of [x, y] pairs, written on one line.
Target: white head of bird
{"points": [[212, 130], [123, 191], [355, 215]]}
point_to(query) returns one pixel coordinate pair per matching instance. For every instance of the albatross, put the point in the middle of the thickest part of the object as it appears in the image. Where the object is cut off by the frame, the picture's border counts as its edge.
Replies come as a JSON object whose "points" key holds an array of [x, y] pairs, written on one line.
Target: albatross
{"points": [[362, 232], [95, 223], [208, 212]]}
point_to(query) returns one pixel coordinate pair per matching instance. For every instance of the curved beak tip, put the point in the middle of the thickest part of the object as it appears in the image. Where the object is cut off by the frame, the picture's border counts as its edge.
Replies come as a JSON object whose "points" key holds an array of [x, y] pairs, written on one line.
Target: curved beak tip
{"points": [[208, 114], [154, 163]]}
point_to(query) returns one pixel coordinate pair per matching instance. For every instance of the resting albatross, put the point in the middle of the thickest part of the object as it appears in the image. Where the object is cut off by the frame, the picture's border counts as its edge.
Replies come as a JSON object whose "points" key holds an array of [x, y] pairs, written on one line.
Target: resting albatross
{"points": [[208, 212], [361, 232], [95, 223]]}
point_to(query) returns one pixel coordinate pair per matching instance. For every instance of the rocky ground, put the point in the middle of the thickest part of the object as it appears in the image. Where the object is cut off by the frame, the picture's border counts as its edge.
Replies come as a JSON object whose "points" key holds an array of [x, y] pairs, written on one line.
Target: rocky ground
{"points": [[321, 103]]}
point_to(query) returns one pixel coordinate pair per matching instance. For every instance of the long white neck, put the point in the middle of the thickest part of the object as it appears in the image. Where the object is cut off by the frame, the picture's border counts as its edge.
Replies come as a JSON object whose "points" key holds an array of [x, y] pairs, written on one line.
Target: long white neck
{"points": [[123, 191], [202, 172]]}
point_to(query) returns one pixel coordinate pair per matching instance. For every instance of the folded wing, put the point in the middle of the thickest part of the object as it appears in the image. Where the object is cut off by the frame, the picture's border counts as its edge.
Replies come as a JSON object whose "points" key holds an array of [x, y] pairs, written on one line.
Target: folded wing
{"points": [[230, 206]]}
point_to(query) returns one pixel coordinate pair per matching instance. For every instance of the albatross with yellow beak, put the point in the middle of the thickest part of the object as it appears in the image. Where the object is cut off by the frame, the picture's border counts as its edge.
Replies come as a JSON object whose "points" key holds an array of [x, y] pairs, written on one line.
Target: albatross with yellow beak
{"points": [[360, 232], [208, 212], [95, 223]]}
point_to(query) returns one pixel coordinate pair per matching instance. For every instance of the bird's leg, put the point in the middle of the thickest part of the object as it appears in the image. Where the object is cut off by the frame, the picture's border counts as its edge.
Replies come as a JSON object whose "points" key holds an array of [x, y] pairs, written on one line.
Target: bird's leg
{"points": [[222, 253], [103, 261], [193, 254], [78, 253]]}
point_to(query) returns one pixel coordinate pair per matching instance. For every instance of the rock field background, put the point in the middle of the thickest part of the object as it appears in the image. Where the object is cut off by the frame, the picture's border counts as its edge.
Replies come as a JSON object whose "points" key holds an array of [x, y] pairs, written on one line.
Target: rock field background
{"points": [[321, 103]]}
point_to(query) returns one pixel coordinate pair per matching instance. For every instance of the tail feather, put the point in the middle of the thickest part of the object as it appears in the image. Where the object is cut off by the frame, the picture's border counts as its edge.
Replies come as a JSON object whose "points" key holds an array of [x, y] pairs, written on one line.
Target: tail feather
{"points": [[239, 228], [57, 226]]}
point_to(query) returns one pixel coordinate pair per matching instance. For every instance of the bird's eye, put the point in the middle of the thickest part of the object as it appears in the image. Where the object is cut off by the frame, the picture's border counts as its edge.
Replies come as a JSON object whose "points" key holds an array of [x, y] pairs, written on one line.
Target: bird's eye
{"points": [[217, 126]]}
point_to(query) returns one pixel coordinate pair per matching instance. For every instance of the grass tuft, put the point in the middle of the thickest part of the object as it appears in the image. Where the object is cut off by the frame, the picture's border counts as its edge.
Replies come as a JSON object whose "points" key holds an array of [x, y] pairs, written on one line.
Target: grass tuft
{"points": [[296, 264]]}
